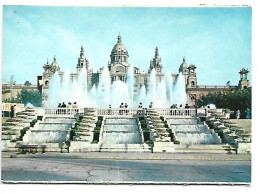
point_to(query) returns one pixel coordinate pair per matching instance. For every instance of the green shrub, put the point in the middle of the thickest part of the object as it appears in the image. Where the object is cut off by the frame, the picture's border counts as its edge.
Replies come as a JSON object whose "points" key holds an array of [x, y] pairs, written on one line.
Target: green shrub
{"points": [[22, 132], [11, 133], [39, 118], [162, 118], [72, 133], [145, 130], [141, 119], [94, 141], [33, 123], [13, 140], [97, 129], [96, 136], [176, 142], [209, 124], [80, 118], [169, 130], [99, 123], [165, 125], [146, 136], [100, 118]]}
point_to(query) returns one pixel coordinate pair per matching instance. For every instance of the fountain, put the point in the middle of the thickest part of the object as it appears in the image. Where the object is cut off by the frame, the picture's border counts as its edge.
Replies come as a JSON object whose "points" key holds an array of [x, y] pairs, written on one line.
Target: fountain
{"points": [[162, 93], [189, 132], [121, 131], [51, 130]]}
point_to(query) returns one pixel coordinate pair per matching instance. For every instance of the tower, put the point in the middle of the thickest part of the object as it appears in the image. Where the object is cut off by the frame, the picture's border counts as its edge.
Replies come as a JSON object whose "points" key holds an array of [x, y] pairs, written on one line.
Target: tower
{"points": [[82, 61], [156, 63], [243, 82], [192, 78], [184, 67]]}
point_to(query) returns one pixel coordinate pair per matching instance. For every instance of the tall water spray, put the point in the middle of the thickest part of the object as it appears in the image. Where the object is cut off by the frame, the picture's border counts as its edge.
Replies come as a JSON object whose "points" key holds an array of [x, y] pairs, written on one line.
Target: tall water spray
{"points": [[179, 91], [151, 94], [160, 90], [103, 93], [54, 91], [130, 83]]}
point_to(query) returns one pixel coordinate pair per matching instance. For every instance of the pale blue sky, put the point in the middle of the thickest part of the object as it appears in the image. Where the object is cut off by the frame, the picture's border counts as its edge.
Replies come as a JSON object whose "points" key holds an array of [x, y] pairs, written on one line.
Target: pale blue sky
{"points": [[216, 40]]}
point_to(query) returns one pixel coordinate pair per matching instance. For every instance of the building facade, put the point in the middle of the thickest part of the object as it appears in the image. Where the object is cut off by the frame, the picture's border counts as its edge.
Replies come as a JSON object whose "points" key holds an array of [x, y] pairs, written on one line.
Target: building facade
{"points": [[118, 67]]}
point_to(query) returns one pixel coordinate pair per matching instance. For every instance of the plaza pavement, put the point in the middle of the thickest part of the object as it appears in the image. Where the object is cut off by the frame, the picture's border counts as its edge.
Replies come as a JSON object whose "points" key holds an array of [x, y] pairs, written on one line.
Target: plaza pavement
{"points": [[128, 168]]}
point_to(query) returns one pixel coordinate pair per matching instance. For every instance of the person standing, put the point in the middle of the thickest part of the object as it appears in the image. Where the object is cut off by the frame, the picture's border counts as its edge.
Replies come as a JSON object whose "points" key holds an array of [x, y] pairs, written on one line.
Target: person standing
{"points": [[109, 109], [248, 113], [58, 111], [238, 114], [12, 111], [64, 107], [121, 106], [140, 107], [126, 106]]}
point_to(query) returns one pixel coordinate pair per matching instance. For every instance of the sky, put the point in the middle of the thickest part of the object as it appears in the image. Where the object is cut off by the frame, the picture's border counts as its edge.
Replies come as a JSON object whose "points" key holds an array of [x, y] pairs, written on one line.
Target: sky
{"points": [[216, 40]]}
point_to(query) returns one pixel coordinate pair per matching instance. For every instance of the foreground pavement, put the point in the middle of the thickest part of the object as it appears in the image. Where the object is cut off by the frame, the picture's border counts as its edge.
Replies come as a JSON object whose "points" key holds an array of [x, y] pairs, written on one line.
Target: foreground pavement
{"points": [[126, 168]]}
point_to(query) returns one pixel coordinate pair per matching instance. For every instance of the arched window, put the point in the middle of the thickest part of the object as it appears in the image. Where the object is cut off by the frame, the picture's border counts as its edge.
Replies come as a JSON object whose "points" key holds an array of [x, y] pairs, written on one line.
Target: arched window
{"points": [[46, 83], [192, 84]]}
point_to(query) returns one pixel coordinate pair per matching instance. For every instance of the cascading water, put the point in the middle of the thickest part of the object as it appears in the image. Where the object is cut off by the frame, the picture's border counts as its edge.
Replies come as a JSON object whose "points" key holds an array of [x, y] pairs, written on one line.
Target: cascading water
{"points": [[52, 130], [189, 132], [162, 93], [121, 131]]}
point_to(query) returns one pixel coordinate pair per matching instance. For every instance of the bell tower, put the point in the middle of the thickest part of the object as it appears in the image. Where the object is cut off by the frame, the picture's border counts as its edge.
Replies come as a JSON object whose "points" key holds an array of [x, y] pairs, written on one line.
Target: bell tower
{"points": [[156, 63], [192, 78], [82, 61], [243, 82]]}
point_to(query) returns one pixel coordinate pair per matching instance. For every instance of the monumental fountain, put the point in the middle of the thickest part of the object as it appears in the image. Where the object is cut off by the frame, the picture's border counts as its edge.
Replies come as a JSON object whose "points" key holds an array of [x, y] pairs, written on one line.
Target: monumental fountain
{"points": [[120, 130]]}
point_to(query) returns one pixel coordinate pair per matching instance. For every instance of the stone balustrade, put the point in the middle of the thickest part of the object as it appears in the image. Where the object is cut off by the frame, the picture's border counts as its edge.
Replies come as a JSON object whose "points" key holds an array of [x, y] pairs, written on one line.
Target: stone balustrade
{"points": [[187, 112], [64, 111], [119, 111], [183, 112]]}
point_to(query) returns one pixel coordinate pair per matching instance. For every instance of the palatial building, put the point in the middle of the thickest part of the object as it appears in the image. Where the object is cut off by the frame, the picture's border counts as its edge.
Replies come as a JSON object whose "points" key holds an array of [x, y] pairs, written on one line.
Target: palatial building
{"points": [[118, 67]]}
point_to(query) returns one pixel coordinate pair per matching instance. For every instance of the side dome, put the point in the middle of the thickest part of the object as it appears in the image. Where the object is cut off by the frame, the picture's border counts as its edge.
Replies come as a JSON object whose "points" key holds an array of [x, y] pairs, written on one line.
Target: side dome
{"points": [[54, 65]]}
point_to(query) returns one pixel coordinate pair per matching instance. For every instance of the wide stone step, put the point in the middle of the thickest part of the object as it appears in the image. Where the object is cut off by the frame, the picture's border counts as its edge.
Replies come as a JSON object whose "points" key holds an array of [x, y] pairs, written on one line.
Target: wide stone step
{"points": [[126, 148]]}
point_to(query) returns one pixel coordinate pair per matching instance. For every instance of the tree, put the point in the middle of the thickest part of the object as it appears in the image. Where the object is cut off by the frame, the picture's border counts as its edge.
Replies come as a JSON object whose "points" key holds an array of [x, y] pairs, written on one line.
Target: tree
{"points": [[233, 100], [27, 83], [30, 96]]}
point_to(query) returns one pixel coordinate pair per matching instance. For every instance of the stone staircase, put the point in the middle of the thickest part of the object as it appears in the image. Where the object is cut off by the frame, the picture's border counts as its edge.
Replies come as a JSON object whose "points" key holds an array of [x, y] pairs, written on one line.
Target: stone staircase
{"points": [[86, 127], [157, 127], [232, 132], [11, 129]]}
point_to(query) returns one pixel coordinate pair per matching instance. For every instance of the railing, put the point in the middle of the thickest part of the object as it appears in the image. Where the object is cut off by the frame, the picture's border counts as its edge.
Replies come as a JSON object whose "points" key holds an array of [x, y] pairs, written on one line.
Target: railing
{"points": [[64, 111], [119, 111], [122, 111], [177, 112], [207, 86]]}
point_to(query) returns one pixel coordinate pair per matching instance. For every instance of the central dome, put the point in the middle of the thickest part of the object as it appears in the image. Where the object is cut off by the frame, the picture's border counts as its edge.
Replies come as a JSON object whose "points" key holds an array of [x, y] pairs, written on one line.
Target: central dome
{"points": [[119, 47], [119, 53]]}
